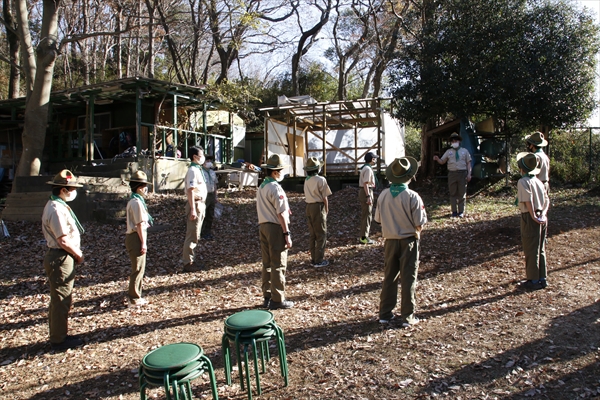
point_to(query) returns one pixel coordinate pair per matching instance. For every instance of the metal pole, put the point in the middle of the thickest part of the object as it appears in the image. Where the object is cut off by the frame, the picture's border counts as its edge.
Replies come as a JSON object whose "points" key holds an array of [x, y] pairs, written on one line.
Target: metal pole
{"points": [[590, 166]]}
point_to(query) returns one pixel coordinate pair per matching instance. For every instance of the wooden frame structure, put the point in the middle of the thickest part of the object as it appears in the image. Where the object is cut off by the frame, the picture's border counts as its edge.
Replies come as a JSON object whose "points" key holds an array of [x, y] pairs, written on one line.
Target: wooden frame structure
{"points": [[314, 121]]}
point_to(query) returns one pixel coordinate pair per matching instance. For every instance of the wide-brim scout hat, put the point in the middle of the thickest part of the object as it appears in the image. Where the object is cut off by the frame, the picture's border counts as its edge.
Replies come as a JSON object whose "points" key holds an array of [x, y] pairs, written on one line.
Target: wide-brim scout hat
{"points": [[455, 136], [65, 178], [140, 176], [312, 164], [529, 162], [274, 162], [537, 139], [402, 170]]}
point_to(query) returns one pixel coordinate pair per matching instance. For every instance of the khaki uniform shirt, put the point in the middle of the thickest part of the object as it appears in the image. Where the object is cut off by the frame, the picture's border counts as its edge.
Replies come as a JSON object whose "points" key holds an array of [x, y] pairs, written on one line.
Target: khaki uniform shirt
{"points": [[532, 190], [270, 202], [399, 216], [463, 158], [316, 189], [366, 177], [195, 179], [544, 174], [136, 213], [57, 222], [210, 177]]}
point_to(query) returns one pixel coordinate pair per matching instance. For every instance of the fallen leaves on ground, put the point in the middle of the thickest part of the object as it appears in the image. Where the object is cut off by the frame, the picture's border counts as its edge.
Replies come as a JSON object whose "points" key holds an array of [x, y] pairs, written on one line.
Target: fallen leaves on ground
{"points": [[479, 337]]}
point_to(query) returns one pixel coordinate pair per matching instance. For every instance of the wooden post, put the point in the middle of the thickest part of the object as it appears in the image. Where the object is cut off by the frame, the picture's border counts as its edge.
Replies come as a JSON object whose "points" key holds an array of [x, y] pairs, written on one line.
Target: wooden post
{"points": [[89, 126], [324, 141]]}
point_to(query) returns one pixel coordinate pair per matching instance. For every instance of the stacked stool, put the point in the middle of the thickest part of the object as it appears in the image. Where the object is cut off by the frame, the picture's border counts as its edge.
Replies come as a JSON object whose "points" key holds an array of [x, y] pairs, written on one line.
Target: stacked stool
{"points": [[174, 366], [247, 330]]}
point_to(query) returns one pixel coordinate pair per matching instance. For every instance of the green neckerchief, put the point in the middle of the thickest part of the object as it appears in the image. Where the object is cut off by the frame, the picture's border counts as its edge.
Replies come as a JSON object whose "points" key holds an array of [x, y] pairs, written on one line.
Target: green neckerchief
{"points": [[207, 174], [267, 180], [200, 168], [397, 188], [308, 177], [522, 176], [456, 153], [539, 150], [61, 201], [140, 198], [374, 175]]}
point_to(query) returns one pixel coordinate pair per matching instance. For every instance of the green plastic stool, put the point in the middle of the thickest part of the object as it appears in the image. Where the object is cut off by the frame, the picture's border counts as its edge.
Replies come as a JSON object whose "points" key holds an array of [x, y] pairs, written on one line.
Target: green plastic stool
{"points": [[246, 330], [174, 366]]}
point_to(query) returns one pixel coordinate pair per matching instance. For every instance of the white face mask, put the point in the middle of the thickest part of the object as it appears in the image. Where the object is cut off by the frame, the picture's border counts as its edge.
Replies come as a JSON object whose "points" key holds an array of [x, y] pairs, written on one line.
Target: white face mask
{"points": [[208, 165], [279, 177], [144, 191], [70, 196], [456, 145]]}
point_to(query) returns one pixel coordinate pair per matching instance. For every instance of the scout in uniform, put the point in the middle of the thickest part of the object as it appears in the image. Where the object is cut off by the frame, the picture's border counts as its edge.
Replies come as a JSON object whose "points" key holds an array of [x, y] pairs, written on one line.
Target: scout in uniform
{"points": [[366, 182], [459, 173], [316, 191], [533, 204], [275, 237], [401, 213], [62, 232], [534, 143], [136, 238], [210, 177], [195, 207]]}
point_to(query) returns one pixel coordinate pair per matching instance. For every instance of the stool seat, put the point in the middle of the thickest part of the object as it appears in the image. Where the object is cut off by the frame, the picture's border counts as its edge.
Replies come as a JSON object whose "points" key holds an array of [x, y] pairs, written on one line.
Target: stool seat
{"points": [[172, 356], [250, 332], [174, 366], [250, 319], [175, 373]]}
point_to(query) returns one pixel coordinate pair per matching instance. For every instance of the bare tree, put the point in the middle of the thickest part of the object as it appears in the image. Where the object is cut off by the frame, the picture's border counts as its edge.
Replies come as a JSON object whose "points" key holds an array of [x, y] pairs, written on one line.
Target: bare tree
{"points": [[351, 31], [308, 38], [13, 49], [230, 21], [36, 111]]}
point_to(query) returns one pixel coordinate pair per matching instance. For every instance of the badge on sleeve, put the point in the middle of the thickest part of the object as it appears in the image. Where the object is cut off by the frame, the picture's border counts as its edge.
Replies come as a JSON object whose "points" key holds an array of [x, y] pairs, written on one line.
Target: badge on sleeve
{"points": [[280, 197]]}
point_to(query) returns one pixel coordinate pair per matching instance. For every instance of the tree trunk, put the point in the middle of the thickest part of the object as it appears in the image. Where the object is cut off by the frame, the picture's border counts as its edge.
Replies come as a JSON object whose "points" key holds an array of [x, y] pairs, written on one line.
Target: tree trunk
{"points": [[27, 52], [14, 85], [36, 111], [302, 48], [150, 40]]}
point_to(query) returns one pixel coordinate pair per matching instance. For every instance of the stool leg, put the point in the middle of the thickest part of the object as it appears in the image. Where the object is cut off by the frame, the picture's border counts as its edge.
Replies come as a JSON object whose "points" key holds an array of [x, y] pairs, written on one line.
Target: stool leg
{"points": [[256, 372], [262, 354], [247, 371], [226, 358], [282, 354], [188, 390], [167, 385], [175, 387], [142, 383], [239, 357], [143, 391], [211, 377]]}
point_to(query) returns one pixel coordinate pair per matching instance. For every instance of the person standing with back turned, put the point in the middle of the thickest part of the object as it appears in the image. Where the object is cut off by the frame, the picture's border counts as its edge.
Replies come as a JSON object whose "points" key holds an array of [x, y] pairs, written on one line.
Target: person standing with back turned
{"points": [[275, 238], [136, 237], [367, 181], [459, 174], [62, 232], [401, 213], [316, 191], [533, 204]]}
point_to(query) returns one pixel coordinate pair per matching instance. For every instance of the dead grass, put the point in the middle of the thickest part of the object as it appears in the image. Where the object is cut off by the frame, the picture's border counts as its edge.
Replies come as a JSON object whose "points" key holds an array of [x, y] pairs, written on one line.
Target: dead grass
{"points": [[480, 337]]}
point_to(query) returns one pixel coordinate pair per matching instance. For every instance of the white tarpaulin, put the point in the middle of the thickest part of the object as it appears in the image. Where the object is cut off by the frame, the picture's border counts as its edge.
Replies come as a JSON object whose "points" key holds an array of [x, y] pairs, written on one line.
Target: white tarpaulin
{"points": [[344, 148]]}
